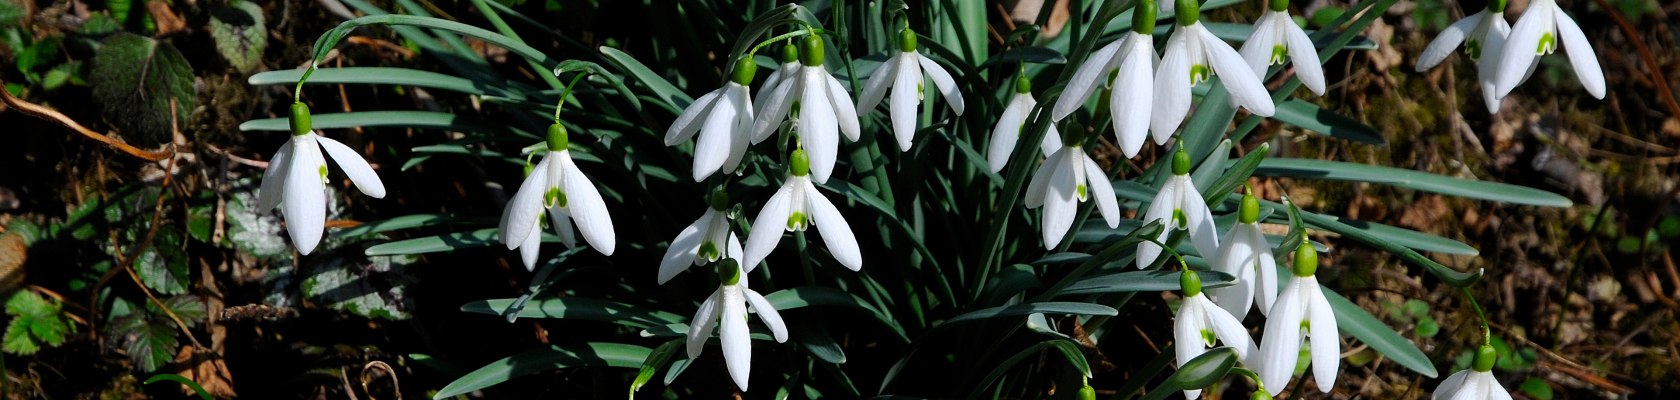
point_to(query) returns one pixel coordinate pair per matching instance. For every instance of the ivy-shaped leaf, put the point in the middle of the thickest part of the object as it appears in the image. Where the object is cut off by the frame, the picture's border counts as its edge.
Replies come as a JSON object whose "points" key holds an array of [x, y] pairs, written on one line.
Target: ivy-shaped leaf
{"points": [[240, 34], [163, 267], [134, 78], [373, 287]]}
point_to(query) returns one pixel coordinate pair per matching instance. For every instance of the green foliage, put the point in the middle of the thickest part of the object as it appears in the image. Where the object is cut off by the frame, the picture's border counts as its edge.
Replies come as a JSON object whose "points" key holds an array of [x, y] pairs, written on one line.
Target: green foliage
{"points": [[148, 333], [369, 286], [1536, 388], [36, 322], [134, 79], [240, 34]]}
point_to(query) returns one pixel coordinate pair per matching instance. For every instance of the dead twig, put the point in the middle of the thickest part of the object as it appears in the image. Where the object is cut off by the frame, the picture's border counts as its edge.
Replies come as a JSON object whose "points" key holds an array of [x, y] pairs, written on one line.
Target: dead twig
{"points": [[1645, 56], [42, 112]]}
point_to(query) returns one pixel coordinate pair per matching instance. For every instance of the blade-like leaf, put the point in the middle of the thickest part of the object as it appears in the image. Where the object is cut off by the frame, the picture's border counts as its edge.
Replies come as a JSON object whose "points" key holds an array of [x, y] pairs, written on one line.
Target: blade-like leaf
{"points": [[1143, 281], [592, 354], [1356, 322], [1048, 307], [578, 308]]}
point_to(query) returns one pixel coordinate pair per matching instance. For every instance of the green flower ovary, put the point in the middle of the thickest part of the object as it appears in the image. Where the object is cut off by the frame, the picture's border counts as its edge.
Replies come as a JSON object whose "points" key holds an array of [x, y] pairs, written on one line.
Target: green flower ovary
{"points": [[796, 221], [554, 198], [1198, 73], [1548, 44]]}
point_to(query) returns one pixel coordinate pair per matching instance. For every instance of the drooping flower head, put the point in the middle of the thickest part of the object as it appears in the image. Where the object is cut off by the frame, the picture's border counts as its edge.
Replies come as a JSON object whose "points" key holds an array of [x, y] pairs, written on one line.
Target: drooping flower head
{"points": [[1132, 100], [1245, 254], [733, 297], [1482, 33], [904, 74], [1193, 55], [296, 180], [1199, 324], [825, 110], [1476, 383], [794, 207], [788, 69], [706, 240], [1301, 313], [1276, 37], [555, 185], [1069, 177], [1178, 205], [1012, 124], [1542, 28], [724, 119]]}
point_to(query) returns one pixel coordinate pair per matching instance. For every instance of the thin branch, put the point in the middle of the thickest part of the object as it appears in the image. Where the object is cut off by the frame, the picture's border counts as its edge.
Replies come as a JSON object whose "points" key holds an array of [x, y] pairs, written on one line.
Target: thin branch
{"points": [[42, 112], [1663, 89]]}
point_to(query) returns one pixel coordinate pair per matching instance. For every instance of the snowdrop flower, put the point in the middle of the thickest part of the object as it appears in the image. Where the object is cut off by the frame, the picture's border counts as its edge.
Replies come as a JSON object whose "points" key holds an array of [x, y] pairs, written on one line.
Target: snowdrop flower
{"points": [[825, 110], [1275, 36], [796, 206], [296, 180], [724, 119], [903, 73], [1537, 33], [556, 185], [1301, 312], [1482, 33], [704, 241], [1178, 205], [1067, 178], [1476, 383], [1132, 100], [788, 67], [734, 297], [1199, 323], [1193, 55], [1012, 124], [1245, 254]]}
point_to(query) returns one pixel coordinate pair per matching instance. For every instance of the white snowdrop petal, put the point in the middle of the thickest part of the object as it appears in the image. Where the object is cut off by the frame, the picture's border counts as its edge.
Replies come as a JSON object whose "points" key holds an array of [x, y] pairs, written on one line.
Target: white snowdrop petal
{"points": [[1580, 52], [520, 216], [1495, 391], [736, 338], [768, 227], [1326, 339], [274, 179], [776, 78], [836, 233], [1101, 189], [691, 118], [1257, 50], [1187, 334], [1037, 187], [715, 135], [768, 314], [561, 221], [1280, 346], [1447, 41], [1228, 329], [705, 320], [818, 129], [360, 173], [1203, 234], [1240, 80], [1085, 80], [1520, 50], [1160, 209], [844, 114], [528, 249], [680, 255], [906, 99], [1008, 131], [1451, 385], [942, 80], [1131, 103], [1172, 88], [1235, 257], [304, 205], [740, 130], [1304, 57], [588, 211], [1061, 202], [1052, 140], [879, 81], [779, 100]]}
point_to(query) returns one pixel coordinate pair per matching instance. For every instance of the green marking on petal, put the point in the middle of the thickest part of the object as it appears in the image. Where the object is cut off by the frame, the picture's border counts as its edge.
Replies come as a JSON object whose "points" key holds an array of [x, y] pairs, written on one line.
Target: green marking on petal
{"points": [[1207, 336], [1548, 44], [1179, 220], [323, 171], [918, 91], [554, 198], [1278, 51], [708, 251], [1198, 73], [1081, 191], [1474, 49], [796, 221]]}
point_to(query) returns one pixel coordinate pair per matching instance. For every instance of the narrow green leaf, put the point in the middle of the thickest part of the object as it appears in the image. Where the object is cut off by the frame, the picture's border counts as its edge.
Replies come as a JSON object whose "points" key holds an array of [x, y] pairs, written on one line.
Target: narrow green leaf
{"points": [[1317, 119], [666, 92], [593, 354], [1236, 175], [1417, 180], [181, 380], [1200, 372], [1048, 307], [1031, 54], [658, 358], [579, 308], [436, 243], [330, 39], [798, 297], [1069, 351], [410, 221], [1356, 322], [377, 76], [371, 119], [1143, 281]]}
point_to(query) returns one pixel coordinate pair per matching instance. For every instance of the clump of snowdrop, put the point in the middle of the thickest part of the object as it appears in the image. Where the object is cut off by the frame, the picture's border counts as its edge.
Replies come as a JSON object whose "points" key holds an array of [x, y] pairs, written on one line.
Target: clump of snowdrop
{"points": [[724, 119], [296, 180], [1069, 177], [1245, 254], [728, 307], [1012, 123], [1275, 37], [1301, 313], [1483, 34], [1476, 383], [904, 73], [1178, 205], [704, 241], [825, 110], [1193, 55], [794, 207], [1199, 324], [557, 187], [1542, 28], [1132, 100]]}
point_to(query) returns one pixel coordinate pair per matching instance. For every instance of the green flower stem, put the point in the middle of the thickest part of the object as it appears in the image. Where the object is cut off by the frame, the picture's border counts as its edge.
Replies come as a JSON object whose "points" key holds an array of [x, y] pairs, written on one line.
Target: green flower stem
{"points": [[808, 30], [1487, 334], [297, 94], [1252, 377], [567, 93]]}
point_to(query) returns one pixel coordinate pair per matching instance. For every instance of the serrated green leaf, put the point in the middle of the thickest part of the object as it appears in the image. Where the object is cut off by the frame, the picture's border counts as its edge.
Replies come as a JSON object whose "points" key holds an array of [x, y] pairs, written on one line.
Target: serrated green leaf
{"points": [[134, 78], [163, 267], [592, 354], [240, 34]]}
